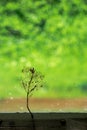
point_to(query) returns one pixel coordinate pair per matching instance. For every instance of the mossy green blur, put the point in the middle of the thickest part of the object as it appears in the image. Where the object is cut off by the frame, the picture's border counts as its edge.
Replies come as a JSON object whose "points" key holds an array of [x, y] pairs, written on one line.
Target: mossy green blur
{"points": [[50, 35]]}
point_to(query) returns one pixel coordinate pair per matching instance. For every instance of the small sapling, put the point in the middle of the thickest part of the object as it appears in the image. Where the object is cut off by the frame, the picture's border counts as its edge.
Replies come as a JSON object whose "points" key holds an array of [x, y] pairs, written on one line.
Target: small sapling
{"points": [[31, 80]]}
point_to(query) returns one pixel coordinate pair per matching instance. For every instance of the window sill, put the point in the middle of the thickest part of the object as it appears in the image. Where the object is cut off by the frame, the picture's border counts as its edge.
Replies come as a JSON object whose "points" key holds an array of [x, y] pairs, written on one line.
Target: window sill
{"points": [[44, 121]]}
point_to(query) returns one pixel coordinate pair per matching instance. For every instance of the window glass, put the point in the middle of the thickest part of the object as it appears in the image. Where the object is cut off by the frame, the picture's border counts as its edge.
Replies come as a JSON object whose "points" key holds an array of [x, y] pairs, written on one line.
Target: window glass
{"points": [[50, 36]]}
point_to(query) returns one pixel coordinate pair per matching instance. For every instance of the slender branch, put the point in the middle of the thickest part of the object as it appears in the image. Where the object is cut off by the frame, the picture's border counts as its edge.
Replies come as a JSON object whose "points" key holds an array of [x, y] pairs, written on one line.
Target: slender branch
{"points": [[33, 88], [24, 85], [29, 83]]}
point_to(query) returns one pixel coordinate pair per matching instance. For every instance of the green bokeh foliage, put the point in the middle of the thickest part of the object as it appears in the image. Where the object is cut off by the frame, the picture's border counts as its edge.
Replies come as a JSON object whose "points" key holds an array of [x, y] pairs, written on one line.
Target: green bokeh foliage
{"points": [[50, 35]]}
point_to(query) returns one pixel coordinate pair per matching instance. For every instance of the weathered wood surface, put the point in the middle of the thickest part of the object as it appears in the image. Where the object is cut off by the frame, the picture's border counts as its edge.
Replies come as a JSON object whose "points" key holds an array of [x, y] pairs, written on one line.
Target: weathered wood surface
{"points": [[43, 121]]}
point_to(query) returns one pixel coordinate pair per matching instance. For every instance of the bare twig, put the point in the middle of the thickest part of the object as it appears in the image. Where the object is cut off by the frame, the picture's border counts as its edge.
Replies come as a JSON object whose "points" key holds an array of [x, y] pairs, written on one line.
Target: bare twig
{"points": [[30, 81]]}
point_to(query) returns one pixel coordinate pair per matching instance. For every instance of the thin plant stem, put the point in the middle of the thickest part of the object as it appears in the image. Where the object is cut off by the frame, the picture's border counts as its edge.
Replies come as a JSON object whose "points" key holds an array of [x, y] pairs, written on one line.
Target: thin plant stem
{"points": [[27, 83], [32, 117], [28, 105]]}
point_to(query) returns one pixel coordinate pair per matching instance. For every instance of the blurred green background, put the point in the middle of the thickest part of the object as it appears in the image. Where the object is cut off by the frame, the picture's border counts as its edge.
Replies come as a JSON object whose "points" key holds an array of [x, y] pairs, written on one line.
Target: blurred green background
{"points": [[50, 35]]}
